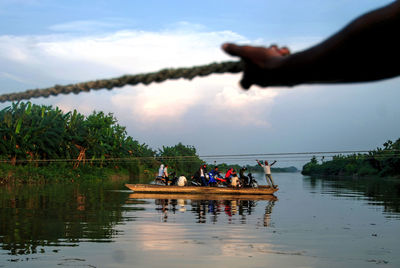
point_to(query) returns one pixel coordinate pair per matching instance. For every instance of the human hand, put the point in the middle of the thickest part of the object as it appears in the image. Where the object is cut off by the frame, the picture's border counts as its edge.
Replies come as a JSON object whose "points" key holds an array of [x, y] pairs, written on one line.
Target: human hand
{"points": [[260, 63]]}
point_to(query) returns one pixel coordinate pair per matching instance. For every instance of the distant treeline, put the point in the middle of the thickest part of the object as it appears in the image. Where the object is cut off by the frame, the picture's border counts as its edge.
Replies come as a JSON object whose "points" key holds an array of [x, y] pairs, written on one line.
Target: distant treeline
{"points": [[256, 168], [43, 136], [383, 162]]}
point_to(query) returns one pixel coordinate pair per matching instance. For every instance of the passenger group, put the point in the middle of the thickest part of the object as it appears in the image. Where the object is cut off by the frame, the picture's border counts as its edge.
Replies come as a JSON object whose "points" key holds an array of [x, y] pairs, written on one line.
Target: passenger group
{"points": [[214, 178]]}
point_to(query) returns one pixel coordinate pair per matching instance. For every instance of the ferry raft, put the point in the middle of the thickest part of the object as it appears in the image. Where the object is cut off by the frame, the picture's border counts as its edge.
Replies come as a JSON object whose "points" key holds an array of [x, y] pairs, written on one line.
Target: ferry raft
{"points": [[204, 190], [231, 197]]}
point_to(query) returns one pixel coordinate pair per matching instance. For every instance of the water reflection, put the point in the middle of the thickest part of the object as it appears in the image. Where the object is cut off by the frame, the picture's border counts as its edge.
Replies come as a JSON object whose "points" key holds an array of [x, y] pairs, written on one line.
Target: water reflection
{"points": [[33, 217], [209, 208], [316, 223], [376, 191]]}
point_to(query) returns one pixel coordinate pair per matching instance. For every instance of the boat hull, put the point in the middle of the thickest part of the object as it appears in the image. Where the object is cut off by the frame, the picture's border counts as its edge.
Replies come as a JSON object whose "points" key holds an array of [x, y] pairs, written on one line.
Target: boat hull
{"points": [[230, 197], [162, 189]]}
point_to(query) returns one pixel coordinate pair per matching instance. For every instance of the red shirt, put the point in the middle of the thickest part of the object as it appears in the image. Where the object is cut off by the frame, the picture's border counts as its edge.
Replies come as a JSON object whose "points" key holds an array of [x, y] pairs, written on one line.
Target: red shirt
{"points": [[228, 173]]}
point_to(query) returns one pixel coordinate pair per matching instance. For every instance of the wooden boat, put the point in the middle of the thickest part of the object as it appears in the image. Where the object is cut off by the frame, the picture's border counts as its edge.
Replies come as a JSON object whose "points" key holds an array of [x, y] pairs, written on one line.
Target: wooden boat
{"points": [[163, 189], [267, 197]]}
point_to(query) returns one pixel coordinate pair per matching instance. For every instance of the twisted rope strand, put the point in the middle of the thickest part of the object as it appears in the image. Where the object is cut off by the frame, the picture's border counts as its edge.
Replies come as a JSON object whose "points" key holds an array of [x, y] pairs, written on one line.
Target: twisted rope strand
{"points": [[160, 76]]}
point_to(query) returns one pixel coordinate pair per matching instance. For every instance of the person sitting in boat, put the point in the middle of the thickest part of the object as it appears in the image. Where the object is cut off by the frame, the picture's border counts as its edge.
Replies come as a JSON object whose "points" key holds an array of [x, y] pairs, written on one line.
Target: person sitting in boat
{"points": [[217, 175], [243, 178], [235, 181], [196, 178], [182, 181], [211, 178], [228, 174], [172, 178]]}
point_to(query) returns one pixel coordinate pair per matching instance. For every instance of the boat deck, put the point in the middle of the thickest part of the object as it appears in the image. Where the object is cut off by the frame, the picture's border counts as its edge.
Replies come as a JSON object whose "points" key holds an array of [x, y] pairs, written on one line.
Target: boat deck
{"points": [[205, 190]]}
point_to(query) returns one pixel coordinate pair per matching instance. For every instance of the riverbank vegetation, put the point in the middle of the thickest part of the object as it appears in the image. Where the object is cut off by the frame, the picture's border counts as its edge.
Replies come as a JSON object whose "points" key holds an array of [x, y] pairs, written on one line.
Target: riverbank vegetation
{"points": [[38, 143], [382, 162]]}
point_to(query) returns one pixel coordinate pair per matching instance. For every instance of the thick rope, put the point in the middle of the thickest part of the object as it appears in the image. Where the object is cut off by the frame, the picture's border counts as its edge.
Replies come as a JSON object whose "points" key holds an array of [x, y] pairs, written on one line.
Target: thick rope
{"points": [[160, 76]]}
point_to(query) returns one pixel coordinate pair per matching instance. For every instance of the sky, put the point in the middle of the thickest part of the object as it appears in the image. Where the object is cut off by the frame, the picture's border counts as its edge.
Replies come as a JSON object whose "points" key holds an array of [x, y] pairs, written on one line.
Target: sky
{"points": [[48, 42]]}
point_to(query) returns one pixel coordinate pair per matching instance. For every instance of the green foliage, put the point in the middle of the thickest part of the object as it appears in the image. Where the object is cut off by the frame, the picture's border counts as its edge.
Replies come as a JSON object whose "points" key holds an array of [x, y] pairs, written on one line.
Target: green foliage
{"points": [[33, 136], [181, 158], [33, 132], [380, 162]]}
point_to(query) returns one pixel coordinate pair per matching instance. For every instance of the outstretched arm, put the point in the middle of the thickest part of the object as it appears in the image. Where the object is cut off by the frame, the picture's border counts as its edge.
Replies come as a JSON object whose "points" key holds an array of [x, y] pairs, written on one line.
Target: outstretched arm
{"points": [[365, 50], [273, 163]]}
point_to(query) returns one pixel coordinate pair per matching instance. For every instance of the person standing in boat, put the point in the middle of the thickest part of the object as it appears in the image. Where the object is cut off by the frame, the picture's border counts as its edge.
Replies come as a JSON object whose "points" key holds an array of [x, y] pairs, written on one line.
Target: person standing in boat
{"points": [[165, 174], [267, 172], [161, 171], [200, 175], [203, 172]]}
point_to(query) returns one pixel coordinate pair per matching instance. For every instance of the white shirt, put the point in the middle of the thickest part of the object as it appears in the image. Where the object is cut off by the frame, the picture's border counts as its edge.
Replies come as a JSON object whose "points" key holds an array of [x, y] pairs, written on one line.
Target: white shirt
{"points": [[267, 168], [166, 172], [234, 181], [161, 171], [182, 181]]}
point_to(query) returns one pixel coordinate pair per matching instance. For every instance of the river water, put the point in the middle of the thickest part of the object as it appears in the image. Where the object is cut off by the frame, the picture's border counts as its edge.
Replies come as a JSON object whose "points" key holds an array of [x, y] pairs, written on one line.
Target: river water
{"points": [[310, 222]]}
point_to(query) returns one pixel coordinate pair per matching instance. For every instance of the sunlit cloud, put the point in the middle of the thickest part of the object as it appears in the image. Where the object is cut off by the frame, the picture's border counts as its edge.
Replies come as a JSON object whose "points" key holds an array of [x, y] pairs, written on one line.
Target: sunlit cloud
{"points": [[62, 58], [218, 98], [164, 103], [246, 107]]}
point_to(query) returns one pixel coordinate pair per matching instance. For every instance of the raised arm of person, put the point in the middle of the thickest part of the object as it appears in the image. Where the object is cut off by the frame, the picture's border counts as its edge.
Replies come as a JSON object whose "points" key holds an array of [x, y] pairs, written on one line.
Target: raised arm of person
{"points": [[258, 162], [272, 163], [367, 49]]}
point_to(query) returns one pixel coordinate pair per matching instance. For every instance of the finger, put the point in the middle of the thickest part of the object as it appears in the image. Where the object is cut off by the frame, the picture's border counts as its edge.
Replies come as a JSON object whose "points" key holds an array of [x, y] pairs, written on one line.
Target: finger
{"points": [[273, 46], [232, 49], [284, 51]]}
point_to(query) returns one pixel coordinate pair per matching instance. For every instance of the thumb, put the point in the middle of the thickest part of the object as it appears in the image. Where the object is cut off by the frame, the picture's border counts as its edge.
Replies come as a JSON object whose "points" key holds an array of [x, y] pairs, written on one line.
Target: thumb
{"points": [[245, 83]]}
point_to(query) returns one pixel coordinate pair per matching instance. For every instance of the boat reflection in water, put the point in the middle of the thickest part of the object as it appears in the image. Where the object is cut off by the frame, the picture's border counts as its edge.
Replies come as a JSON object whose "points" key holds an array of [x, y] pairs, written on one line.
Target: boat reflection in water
{"points": [[209, 205]]}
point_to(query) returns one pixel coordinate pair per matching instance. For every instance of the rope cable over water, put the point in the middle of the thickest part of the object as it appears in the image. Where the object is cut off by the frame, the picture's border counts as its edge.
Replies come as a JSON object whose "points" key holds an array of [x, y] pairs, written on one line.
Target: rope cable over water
{"points": [[281, 157], [147, 78]]}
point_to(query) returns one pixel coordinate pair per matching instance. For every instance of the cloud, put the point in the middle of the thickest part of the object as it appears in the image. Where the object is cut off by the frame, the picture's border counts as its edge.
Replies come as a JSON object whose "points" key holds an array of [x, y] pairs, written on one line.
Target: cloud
{"points": [[216, 100], [67, 58], [246, 107]]}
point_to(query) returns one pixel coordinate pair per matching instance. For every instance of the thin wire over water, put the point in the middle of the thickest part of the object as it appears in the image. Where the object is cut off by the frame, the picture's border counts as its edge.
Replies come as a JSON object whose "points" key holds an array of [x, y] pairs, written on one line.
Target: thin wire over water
{"points": [[283, 157]]}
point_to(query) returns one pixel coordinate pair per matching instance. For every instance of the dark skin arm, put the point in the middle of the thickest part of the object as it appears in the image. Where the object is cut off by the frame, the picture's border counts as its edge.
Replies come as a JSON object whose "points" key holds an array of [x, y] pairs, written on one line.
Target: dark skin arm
{"points": [[365, 50], [273, 163]]}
